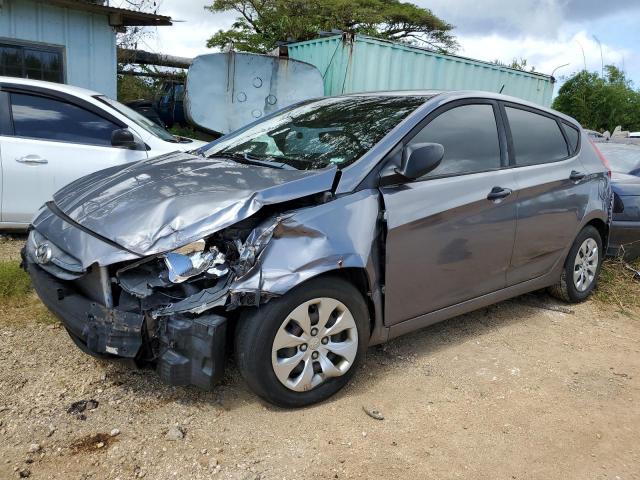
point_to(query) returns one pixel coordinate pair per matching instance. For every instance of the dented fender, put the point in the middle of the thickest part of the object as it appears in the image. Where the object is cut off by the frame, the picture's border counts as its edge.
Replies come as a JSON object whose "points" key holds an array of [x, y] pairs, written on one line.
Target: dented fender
{"points": [[307, 243]]}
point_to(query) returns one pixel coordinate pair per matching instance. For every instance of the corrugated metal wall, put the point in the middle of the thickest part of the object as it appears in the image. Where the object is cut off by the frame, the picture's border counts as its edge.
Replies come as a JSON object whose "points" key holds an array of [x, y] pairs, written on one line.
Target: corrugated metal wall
{"points": [[368, 64], [88, 40]]}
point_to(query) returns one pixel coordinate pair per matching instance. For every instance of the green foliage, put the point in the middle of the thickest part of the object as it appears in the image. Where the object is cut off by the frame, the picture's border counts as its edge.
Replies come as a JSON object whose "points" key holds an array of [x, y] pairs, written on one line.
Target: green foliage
{"points": [[262, 24], [190, 132], [516, 64], [135, 88], [600, 103], [13, 280]]}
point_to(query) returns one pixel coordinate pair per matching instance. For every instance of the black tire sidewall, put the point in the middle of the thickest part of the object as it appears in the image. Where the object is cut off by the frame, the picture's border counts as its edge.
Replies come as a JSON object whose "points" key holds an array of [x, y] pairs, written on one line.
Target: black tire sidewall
{"points": [[572, 291], [258, 327]]}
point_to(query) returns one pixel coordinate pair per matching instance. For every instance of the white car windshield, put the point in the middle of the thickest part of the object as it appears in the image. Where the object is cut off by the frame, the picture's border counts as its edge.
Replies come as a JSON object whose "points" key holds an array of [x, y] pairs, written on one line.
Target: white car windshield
{"points": [[138, 119]]}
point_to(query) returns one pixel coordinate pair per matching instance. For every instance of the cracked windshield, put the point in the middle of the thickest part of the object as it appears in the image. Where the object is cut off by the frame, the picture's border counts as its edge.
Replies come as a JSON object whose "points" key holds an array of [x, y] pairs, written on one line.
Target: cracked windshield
{"points": [[320, 133]]}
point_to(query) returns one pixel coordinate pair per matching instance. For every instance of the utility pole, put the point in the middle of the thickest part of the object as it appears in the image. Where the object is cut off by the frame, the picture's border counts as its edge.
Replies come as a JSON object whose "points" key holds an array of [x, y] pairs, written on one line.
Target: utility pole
{"points": [[584, 57], [601, 56]]}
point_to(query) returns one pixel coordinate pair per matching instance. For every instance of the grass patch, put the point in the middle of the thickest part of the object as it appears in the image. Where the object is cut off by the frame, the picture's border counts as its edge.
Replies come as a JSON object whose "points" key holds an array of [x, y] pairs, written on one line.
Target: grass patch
{"points": [[18, 302], [617, 287], [14, 281]]}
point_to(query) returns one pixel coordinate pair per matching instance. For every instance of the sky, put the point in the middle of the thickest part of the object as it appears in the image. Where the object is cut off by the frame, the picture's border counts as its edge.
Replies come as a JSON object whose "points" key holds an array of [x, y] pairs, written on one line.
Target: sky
{"points": [[548, 33]]}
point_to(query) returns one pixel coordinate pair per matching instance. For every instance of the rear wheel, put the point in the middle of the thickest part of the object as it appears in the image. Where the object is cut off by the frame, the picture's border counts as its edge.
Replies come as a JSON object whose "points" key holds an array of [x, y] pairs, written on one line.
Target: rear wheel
{"points": [[582, 267], [302, 348]]}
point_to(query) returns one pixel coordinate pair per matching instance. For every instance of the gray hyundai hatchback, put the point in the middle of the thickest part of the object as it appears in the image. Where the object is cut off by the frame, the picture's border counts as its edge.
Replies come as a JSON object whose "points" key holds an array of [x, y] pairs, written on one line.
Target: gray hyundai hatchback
{"points": [[324, 228]]}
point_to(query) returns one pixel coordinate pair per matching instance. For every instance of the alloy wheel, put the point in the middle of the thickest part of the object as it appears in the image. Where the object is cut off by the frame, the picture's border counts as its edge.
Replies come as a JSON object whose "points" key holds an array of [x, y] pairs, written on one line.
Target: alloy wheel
{"points": [[318, 340], [585, 265]]}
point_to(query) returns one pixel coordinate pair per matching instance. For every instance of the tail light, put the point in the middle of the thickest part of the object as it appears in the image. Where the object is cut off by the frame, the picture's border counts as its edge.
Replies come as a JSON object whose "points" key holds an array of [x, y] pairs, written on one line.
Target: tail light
{"points": [[602, 158]]}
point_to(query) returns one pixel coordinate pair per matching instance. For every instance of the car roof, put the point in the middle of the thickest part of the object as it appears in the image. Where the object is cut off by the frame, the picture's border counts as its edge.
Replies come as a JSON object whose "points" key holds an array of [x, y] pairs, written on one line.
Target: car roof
{"points": [[60, 87], [619, 147], [462, 94]]}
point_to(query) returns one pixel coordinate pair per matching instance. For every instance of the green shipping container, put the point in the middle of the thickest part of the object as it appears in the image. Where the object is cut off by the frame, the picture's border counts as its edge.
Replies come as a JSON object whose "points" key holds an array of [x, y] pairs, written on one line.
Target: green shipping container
{"points": [[363, 64]]}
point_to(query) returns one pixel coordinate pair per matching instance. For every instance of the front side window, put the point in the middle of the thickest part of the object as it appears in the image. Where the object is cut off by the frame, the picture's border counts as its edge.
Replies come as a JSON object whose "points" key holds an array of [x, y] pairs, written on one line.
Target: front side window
{"points": [[469, 135], [36, 62], [140, 120], [48, 119], [322, 132], [536, 138]]}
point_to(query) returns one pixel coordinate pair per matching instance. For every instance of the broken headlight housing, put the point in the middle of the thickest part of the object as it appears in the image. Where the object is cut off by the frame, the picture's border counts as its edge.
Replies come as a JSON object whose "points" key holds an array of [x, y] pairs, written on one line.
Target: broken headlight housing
{"points": [[195, 259]]}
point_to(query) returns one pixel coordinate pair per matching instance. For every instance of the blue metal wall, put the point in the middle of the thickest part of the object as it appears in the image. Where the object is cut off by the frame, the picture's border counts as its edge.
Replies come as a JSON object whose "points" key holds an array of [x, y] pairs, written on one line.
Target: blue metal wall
{"points": [[88, 40], [367, 64]]}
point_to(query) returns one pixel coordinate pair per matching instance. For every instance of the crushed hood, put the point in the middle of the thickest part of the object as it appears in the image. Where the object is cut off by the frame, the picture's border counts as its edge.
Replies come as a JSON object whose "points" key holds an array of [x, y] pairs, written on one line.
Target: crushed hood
{"points": [[163, 203]]}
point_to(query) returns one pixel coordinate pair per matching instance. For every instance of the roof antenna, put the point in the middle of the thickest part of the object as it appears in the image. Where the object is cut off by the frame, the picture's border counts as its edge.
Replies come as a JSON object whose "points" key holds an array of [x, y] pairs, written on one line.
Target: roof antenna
{"points": [[501, 88]]}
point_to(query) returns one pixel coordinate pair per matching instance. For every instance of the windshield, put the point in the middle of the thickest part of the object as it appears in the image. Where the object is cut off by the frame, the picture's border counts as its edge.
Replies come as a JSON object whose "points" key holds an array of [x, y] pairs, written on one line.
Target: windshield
{"points": [[138, 119], [316, 134]]}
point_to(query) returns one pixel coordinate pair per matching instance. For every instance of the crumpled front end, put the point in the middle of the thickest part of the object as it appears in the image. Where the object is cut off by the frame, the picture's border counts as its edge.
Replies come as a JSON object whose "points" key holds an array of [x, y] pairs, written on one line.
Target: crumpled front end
{"points": [[106, 320], [172, 309]]}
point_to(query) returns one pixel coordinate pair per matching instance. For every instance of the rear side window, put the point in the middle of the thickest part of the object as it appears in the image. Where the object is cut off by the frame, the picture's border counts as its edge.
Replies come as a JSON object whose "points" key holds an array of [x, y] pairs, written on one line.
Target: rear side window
{"points": [[573, 136], [469, 135], [49, 119], [536, 138]]}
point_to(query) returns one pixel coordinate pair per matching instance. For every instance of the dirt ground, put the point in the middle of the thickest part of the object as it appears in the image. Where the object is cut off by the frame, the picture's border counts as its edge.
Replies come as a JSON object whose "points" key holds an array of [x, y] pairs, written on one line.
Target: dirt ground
{"points": [[511, 392]]}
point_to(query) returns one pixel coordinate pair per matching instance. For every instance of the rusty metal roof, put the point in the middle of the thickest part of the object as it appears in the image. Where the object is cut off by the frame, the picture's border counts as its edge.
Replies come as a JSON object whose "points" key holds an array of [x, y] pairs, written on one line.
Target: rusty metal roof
{"points": [[118, 17]]}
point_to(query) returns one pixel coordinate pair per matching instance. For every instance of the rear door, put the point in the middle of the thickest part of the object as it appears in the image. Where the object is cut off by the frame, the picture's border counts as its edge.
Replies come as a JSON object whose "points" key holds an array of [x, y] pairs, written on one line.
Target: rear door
{"points": [[553, 189], [51, 142], [450, 233]]}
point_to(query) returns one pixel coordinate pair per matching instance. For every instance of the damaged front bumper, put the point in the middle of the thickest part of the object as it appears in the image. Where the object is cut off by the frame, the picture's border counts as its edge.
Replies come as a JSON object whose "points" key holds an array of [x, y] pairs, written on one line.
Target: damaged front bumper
{"points": [[184, 350]]}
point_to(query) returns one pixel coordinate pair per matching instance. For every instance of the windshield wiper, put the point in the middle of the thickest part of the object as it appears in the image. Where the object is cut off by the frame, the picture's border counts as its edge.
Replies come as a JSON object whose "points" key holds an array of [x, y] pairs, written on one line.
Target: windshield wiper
{"points": [[247, 159]]}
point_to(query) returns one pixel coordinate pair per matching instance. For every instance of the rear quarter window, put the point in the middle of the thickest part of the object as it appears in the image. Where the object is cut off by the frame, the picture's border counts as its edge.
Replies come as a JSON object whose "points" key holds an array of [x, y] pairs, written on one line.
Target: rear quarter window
{"points": [[573, 136], [536, 138]]}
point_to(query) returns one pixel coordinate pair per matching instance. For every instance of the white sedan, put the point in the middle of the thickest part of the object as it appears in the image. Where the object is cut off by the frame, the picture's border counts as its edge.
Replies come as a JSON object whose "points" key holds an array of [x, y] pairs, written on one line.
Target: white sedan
{"points": [[52, 134]]}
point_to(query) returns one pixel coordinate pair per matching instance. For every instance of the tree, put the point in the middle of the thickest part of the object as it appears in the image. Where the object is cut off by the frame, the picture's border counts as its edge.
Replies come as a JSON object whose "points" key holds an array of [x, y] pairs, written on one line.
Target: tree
{"points": [[600, 103], [130, 87], [263, 23], [516, 64]]}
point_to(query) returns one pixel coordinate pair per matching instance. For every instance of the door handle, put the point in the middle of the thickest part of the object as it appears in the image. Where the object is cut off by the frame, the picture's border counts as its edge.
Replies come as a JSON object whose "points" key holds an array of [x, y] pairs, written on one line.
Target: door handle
{"points": [[498, 193], [32, 160], [576, 176]]}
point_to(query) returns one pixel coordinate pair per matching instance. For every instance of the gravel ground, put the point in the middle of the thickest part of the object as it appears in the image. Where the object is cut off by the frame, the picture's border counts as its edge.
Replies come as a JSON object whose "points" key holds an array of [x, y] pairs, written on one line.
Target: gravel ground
{"points": [[10, 246], [510, 392]]}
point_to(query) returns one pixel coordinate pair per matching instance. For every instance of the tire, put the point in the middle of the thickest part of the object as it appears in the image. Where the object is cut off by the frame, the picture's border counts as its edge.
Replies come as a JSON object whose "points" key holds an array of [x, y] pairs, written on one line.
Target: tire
{"points": [[570, 290], [311, 379]]}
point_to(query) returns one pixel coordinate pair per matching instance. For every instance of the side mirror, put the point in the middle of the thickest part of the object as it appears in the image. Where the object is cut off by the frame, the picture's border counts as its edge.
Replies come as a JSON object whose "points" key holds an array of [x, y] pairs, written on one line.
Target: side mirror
{"points": [[124, 138], [419, 159]]}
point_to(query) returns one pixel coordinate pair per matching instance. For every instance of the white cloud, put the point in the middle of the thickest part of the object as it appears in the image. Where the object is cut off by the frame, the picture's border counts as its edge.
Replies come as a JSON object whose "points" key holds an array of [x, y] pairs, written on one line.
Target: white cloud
{"points": [[521, 17], [192, 27], [548, 33], [544, 54]]}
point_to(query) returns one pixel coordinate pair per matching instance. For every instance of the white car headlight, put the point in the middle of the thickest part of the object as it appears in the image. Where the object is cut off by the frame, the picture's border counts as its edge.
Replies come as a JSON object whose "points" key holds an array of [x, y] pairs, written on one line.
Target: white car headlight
{"points": [[192, 260]]}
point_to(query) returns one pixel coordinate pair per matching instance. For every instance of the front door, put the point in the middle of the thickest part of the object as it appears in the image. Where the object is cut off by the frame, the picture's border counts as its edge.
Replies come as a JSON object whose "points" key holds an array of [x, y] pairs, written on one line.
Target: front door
{"points": [[450, 234], [53, 143]]}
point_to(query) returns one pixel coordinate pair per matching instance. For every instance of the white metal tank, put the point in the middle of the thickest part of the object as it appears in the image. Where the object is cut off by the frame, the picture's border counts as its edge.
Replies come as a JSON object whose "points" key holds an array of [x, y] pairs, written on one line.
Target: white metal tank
{"points": [[226, 91]]}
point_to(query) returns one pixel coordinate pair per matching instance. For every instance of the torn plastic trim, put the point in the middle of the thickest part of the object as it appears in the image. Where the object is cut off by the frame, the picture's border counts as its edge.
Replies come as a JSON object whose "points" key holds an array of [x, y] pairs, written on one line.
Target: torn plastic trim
{"points": [[255, 244], [198, 303]]}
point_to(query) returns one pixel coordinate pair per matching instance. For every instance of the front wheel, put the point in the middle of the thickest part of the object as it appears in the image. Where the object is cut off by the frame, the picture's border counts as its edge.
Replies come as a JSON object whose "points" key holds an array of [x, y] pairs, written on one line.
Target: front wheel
{"points": [[582, 267], [302, 348]]}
